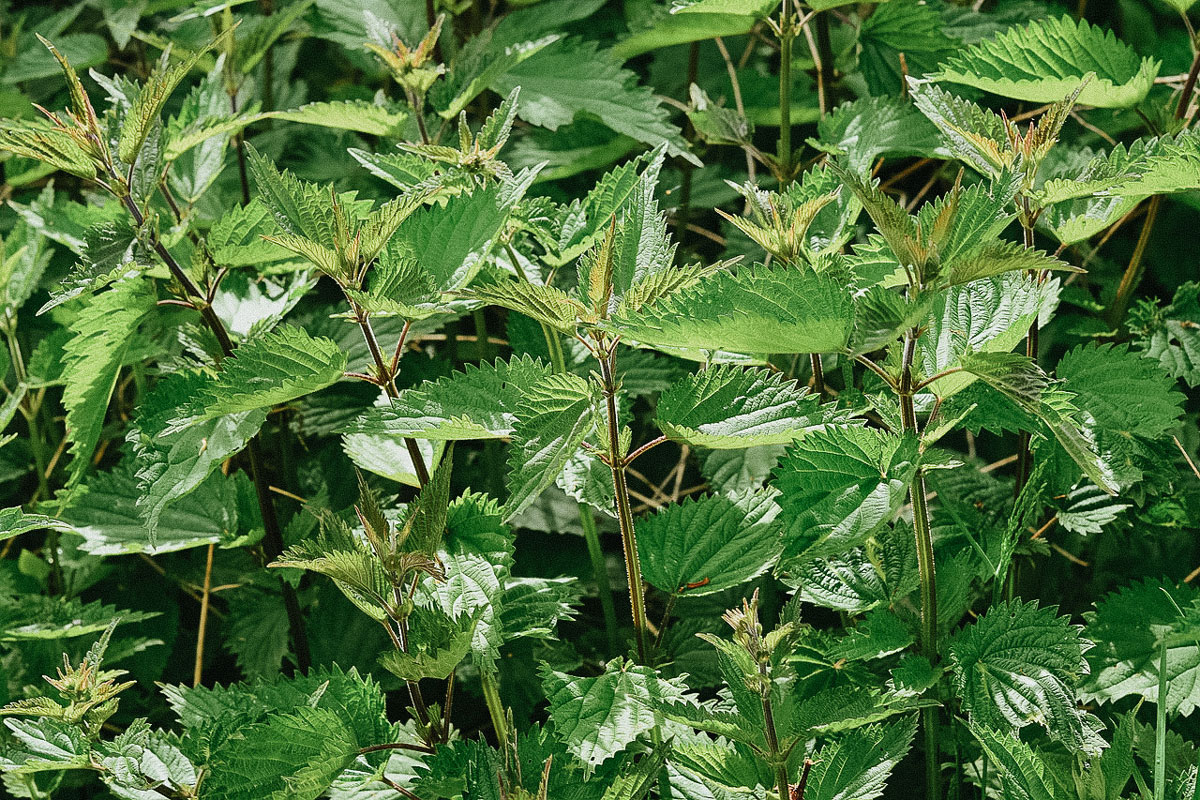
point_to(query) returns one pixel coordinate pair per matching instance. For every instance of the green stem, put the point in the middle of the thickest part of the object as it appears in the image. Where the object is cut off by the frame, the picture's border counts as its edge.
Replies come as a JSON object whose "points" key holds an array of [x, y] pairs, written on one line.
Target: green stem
{"points": [[785, 92], [633, 567], [491, 697], [587, 520], [1160, 729], [925, 567]]}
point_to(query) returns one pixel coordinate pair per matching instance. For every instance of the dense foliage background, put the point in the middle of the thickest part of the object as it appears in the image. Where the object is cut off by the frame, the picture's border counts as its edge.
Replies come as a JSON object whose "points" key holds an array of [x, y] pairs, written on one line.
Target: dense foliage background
{"points": [[360, 353]]}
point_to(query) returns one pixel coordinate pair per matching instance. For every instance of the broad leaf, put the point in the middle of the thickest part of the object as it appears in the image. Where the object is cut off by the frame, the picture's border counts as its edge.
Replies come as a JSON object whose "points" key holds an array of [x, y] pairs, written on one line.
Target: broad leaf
{"points": [[711, 544], [479, 403], [1016, 666], [755, 310], [727, 407], [1046, 60], [552, 420], [838, 486]]}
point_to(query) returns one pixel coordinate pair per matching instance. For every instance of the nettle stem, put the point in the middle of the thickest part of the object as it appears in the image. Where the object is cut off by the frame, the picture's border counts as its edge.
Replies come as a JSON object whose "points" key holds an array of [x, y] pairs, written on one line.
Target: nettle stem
{"points": [[925, 565], [387, 376], [633, 567], [273, 531], [786, 34]]}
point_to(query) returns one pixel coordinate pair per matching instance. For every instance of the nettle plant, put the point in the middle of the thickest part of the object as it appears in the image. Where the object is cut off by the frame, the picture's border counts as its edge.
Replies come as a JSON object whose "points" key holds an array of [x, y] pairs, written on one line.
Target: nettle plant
{"points": [[832, 454]]}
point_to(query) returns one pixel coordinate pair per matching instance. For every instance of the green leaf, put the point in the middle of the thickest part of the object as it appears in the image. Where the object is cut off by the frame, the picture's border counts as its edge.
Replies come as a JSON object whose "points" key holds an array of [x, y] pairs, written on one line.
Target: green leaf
{"points": [[901, 26], [573, 77], [171, 463], [450, 240], [41, 618], [857, 766], [1046, 60], [865, 129], [727, 407], [438, 642], [552, 421], [101, 337], [706, 19], [1016, 666], [1021, 380], [1028, 776], [754, 310], [15, 522], [1129, 401], [348, 115], [1171, 333], [46, 745], [43, 142], [479, 403], [709, 545], [1128, 627], [291, 756], [575, 228], [151, 99], [839, 486], [599, 717], [546, 304], [275, 368], [140, 759], [990, 315], [105, 512]]}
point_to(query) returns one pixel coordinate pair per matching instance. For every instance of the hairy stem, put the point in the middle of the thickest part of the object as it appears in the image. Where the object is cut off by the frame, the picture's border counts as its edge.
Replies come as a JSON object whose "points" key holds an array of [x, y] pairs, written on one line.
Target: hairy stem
{"points": [[785, 93], [388, 378], [1032, 347], [925, 567], [491, 697], [633, 567], [198, 665]]}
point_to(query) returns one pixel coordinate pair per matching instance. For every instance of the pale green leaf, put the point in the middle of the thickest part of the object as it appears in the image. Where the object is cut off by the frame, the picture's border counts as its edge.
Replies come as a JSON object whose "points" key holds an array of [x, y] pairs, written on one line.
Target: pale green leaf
{"points": [[479, 403], [755, 310]]}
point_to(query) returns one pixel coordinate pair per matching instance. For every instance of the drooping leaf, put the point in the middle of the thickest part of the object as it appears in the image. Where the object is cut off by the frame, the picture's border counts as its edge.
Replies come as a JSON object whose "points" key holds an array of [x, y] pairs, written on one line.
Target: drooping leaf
{"points": [[554, 417], [102, 335], [1024, 383]]}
